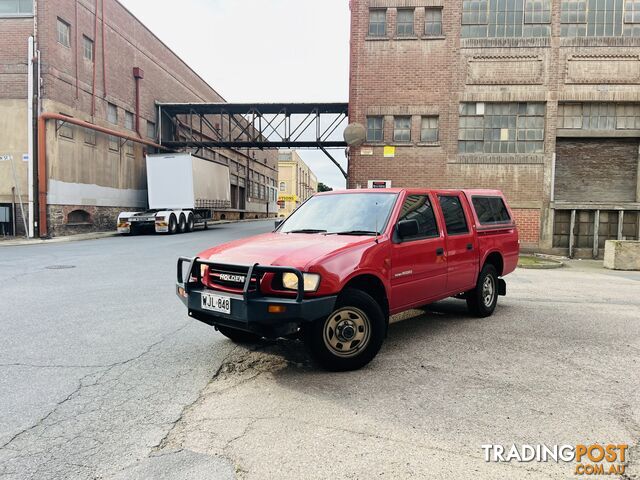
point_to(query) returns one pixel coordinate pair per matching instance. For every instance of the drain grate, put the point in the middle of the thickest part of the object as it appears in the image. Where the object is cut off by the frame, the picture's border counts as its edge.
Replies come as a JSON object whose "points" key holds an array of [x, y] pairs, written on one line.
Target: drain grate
{"points": [[60, 267]]}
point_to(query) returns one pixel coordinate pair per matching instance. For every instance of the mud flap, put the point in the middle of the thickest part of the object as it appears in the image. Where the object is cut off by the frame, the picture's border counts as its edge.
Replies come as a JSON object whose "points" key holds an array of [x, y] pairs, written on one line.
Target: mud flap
{"points": [[502, 287]]}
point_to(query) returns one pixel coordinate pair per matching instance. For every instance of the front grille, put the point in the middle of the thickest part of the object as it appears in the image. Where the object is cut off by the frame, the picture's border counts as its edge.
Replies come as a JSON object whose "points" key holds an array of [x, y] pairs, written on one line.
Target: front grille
{"points": [[231, 278]]}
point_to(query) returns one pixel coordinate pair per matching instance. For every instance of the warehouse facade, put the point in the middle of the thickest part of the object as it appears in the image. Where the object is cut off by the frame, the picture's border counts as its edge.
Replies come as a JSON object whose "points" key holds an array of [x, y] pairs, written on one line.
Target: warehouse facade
{"points": [[538, 98], [96, 62]]}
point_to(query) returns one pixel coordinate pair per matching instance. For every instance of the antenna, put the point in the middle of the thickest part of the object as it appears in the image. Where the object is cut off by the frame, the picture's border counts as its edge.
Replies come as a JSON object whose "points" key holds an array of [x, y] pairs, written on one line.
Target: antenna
{"points": [[377, 222]]}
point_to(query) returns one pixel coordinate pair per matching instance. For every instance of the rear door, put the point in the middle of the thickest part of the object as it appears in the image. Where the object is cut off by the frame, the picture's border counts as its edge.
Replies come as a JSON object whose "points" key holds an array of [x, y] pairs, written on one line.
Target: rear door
{"points": [[461, 242], [418, 264]]}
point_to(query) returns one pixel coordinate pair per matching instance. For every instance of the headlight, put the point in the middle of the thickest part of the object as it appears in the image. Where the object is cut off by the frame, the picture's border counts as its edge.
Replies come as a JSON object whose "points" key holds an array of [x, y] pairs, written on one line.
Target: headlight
{"points": [[204, 270], [311, 281]]}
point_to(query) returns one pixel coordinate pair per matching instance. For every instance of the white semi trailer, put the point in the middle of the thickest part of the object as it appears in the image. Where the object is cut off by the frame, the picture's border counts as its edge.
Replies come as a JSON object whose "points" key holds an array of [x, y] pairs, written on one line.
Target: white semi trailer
{"points": [[183, 191]]}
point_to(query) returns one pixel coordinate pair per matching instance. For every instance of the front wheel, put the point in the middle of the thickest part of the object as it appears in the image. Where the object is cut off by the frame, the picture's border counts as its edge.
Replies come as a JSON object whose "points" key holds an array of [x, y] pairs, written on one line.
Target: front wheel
{"points": [[350, 336], [482, 300]]}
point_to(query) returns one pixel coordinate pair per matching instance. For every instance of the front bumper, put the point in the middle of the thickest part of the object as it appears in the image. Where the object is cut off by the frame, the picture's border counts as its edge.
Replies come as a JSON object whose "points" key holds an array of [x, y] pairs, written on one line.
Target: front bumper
{"points": [[250, 310]]}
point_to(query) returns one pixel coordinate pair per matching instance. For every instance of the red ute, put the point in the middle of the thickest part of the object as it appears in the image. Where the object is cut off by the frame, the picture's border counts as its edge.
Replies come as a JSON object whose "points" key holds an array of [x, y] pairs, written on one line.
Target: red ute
{"points": [[343, 262]]}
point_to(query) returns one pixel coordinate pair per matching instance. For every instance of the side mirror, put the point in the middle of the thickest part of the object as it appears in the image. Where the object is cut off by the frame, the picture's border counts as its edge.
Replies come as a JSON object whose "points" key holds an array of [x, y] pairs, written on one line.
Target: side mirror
{"points": [[278, 223], [408, 228]]}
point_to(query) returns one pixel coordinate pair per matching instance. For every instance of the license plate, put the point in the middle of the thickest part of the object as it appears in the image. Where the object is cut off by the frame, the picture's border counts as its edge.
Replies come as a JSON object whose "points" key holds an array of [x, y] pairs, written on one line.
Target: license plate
{"points": [[216, 303]]}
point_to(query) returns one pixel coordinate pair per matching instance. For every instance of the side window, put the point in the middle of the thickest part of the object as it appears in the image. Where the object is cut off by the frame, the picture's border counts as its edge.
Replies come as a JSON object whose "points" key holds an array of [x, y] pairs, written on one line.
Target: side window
{"points": [[418, 207], [453, 215], [490, 210]]}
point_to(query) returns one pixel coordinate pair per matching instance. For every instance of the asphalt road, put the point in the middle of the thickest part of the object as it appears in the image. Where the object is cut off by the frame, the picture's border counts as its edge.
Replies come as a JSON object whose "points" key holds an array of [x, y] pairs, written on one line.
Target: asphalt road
{"points": [[103, 376]]}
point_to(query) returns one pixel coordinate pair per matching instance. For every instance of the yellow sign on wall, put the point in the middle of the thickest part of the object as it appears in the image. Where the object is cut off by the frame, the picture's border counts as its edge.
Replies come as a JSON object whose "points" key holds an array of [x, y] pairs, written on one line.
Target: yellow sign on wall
{"points": [[287, 198], [389, 151]]}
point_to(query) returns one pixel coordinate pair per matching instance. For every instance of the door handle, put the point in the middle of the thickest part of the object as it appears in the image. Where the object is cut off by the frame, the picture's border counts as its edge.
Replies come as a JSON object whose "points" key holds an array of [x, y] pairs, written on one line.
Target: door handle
{"points": [[439, 251], [469, 246]]}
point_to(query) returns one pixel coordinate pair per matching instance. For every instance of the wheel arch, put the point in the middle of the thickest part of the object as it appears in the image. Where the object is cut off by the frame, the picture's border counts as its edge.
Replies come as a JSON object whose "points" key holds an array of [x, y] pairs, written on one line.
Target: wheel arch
{"points": [[372, 285], [496, 259]]}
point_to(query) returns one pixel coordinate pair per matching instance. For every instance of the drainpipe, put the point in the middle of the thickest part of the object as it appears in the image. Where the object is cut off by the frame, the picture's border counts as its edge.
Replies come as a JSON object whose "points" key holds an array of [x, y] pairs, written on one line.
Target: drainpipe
{"points": [[104, 58], [42, 158], [95, 42], [138, 74]]}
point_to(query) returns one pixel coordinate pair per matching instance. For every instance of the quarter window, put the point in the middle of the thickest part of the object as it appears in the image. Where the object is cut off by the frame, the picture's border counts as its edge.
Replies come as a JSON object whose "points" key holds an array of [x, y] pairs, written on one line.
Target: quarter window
{"points": [[375, 130], [419, 208], [404, 24], [377, 23], [63, 30], [433, 22], [402, 129], [453, 213]]}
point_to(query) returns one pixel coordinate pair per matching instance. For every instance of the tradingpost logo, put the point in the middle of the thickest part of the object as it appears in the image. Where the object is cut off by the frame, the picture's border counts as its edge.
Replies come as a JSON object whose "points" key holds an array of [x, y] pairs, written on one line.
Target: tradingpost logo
{"points": [[592, 459]]}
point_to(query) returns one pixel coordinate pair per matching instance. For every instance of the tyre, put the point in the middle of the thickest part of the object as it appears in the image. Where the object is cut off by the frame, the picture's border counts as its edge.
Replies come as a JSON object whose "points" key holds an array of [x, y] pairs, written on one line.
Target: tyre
{"points": [[173, 224], [351, 336], [483, 298], [239, 336], [190, 223], [182, 225]]}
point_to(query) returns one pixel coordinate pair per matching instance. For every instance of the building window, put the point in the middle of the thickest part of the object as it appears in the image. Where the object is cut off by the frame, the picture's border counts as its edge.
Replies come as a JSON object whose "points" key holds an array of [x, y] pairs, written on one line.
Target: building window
{"points": [[78, 217], [404, 23], [429, 130], [10, 8], [283, 186], [112, 113], [599, 116], [375, 129], [128, 120], [377, 23], [402, 129], [501, 128], [87, 49], [90, 136], [506, 18], [151, 130], [63, 32], [600, 18], [65, 129], [114, 143], [433, 22]]}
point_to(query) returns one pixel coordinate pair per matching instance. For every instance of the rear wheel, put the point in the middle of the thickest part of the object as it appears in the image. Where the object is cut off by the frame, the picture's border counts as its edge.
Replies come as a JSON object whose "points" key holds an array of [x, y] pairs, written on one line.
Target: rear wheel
{"points": [[239, 336], [173, 224], [190, 223], [351, 336], [482, 300]]}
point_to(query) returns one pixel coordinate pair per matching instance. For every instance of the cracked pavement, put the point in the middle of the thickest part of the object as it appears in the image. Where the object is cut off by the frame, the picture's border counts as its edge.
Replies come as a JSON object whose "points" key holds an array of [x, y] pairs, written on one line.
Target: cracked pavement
{"points": [[103, 376]]}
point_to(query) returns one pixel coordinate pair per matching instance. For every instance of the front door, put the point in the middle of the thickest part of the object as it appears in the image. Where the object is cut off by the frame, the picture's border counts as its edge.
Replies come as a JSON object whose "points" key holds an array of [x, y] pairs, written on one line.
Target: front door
{"points": [[418, 264], [461, 245]]}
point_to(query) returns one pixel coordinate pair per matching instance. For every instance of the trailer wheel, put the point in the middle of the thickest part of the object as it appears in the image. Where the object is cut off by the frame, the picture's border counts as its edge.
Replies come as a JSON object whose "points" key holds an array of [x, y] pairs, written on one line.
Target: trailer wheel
{"points": [[173, 224], [190, 223], [182, 226], [349, 337]]}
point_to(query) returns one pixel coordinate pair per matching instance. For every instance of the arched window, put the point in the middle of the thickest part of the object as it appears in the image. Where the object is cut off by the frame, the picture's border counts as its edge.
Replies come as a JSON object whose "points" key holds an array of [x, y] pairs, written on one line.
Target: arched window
{"points": [[283, 186], [78, 217]]}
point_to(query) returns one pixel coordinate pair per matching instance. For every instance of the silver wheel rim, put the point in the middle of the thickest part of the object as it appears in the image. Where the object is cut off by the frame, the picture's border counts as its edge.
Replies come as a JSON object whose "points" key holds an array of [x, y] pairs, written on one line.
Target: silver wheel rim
{"points": [[347, 332], [488, 291]]}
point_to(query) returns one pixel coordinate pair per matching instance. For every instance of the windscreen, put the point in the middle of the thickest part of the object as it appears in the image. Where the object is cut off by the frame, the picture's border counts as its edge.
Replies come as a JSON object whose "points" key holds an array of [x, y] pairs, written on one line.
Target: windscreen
{"points": [[345, 213]]}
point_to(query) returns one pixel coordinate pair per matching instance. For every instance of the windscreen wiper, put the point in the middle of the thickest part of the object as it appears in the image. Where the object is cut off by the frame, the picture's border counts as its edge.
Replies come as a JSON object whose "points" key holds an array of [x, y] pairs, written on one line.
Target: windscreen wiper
{"points": [[307, 230], [356, 232]]}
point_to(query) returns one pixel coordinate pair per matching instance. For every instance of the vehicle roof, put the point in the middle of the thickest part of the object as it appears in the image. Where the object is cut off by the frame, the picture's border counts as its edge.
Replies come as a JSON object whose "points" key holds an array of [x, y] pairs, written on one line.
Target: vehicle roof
{"points": [[468, 191]]}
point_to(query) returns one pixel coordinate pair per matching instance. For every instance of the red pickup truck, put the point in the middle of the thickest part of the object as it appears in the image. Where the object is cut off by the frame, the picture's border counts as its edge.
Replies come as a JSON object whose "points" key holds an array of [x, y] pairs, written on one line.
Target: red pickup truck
{"points": [[337, 268]]}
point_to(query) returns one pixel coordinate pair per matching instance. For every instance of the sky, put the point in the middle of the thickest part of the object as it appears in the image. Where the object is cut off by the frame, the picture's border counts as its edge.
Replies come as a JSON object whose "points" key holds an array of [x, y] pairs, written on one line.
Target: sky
{"points": [[262, 51]]}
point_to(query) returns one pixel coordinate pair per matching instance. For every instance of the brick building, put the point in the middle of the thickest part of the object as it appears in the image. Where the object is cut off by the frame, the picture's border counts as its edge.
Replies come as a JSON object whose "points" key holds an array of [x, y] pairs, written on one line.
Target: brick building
{"points": [[539, 98], [90, 58], [296, 182]]}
